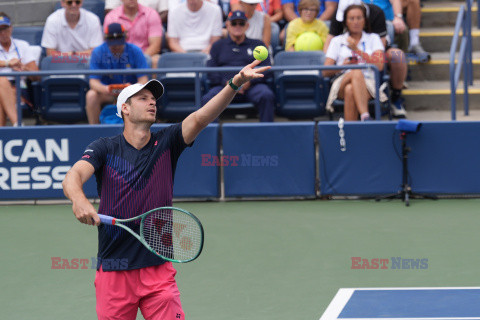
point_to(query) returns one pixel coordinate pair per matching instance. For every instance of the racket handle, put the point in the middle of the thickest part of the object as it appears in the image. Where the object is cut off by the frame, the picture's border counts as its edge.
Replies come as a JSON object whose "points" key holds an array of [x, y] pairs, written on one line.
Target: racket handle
{"points": [[106, 219]]}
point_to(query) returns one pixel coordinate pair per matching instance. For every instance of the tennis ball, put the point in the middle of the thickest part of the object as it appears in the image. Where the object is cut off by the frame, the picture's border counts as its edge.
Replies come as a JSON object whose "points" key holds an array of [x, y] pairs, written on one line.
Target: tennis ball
{"points": [[260, 53], [308, 41]]}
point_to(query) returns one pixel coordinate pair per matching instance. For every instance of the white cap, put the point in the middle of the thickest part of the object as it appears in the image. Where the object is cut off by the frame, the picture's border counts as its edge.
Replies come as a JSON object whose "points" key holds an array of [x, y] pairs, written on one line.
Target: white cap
{"points": [[154, 86], [342, 5], [252, 1]]}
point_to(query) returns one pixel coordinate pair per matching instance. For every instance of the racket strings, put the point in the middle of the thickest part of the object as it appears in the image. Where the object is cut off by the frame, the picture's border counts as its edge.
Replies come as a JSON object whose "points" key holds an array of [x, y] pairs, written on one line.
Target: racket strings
{"points": [[172, 234]]}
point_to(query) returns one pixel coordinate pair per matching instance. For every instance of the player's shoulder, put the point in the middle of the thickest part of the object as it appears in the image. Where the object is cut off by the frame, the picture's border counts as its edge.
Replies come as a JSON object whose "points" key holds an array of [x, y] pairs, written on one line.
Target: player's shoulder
{"points": [[107, 141]]}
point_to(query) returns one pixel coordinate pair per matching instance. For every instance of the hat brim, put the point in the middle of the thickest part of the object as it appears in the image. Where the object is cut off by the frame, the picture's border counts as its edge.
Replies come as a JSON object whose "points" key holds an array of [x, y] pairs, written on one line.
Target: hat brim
{"points": [[155, 87], [116, 42]]}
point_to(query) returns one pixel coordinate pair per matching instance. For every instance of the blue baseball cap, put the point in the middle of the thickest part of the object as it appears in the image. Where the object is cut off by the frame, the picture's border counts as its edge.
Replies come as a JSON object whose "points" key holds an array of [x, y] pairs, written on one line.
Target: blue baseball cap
{"points": [[115, 34], [5, 21], [237, 15]]}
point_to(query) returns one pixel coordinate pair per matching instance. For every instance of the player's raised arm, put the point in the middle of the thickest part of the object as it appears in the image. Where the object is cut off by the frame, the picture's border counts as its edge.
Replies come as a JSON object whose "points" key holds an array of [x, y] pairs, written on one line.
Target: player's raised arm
{"points": [[199, 119]]}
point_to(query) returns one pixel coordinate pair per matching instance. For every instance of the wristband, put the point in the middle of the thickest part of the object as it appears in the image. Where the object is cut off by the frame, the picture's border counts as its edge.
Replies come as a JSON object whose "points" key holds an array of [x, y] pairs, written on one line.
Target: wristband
{"points": [[399, 15], [233, 86]]}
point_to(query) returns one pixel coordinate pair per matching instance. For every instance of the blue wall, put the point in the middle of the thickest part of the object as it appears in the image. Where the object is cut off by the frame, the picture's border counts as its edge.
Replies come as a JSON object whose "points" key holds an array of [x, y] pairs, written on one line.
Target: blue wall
{"points": [[264, 160]]}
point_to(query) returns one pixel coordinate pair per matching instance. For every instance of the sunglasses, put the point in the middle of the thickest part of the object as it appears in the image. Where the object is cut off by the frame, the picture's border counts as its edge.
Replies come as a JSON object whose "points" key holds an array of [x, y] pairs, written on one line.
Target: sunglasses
{"points": [[238, 23], [70, 2]]}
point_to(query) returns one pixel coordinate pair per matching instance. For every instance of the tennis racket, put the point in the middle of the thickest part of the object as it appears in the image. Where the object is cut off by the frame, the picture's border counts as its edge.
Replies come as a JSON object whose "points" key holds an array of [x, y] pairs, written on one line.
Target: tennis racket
{"points": [[171, 233]]}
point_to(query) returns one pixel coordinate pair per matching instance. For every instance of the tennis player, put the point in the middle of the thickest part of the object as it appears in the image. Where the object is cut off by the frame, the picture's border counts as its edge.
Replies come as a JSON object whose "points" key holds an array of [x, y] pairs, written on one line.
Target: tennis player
{"points": [[134, 173]]}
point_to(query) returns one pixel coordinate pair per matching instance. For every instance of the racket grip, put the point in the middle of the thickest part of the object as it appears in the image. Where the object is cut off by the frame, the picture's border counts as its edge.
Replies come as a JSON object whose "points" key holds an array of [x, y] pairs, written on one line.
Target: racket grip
{"points": [[106, 219]]}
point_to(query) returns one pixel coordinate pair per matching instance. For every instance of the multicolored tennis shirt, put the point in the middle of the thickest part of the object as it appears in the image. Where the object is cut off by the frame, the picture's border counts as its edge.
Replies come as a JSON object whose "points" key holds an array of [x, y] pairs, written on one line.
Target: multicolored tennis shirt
{"points": [[129, 183]]}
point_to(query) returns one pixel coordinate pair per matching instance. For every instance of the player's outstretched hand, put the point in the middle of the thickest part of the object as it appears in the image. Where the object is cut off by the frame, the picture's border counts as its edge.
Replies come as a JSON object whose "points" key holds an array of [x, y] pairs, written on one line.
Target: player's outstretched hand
{"points": [[249, 73]]}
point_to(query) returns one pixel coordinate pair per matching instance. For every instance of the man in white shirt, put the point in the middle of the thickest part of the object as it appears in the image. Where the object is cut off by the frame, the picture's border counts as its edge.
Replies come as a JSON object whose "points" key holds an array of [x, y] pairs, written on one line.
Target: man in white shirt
{"points": [[194, 26], [15, 55], [72, 30]]}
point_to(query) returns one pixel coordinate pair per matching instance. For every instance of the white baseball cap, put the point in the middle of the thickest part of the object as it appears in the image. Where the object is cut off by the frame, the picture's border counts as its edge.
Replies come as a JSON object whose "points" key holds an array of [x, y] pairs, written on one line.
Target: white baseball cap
{"points": [[154, 86], [344, 4]]}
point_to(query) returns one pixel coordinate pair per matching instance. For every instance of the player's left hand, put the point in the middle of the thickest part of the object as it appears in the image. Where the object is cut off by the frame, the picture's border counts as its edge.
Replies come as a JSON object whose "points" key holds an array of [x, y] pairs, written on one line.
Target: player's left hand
{"points": [[249, 73]]}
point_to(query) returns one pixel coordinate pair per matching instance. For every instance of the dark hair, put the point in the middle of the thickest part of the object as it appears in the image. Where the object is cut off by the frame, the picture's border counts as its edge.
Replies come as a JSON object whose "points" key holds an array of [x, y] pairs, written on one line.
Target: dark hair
{"points": [[366, 27]]}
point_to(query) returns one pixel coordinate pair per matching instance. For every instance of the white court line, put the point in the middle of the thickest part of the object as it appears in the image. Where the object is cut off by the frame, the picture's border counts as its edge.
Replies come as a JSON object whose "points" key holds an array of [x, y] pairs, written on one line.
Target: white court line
{"points": [[338, 303], [417, 288], [435, 318], [344, 294]]}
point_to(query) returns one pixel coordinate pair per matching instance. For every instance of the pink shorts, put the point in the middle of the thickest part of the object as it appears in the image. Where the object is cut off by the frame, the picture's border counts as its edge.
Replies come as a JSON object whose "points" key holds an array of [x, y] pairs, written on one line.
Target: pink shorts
{"points": [[152, 289]]}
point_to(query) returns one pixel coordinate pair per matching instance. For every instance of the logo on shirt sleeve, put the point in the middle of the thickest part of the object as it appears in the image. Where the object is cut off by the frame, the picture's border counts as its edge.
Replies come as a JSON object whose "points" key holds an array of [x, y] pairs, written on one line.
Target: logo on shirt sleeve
{"points": [[87, 156]]}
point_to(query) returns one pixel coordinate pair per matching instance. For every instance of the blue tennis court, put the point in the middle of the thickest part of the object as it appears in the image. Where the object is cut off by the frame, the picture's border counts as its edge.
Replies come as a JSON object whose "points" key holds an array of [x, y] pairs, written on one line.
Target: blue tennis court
{"points": [[405, 303]]}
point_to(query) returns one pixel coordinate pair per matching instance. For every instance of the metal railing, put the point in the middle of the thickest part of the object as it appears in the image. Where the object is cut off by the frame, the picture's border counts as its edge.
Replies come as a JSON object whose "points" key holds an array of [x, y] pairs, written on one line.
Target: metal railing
{"points": [[464, 59], [198, 77]]}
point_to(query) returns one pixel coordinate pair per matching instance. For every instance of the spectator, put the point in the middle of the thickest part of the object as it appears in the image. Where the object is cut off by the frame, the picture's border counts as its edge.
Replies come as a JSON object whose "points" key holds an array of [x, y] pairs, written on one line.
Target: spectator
{"points": [[236, 50], [394, 10], [306, 23], [355, 46], [161, 6], [72, 30], [143, 27], [115, 53], [326, 12], [196, 26], [395, 58], [272, 8], [15, 56], [259, 23]]}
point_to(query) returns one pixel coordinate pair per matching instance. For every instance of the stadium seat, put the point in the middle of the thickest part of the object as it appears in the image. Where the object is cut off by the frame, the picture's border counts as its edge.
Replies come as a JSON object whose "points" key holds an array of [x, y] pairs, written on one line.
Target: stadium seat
{"points": [[95, 6], [275, 39], [179, 98], [63, 97], [33, 35], [300, 93]]}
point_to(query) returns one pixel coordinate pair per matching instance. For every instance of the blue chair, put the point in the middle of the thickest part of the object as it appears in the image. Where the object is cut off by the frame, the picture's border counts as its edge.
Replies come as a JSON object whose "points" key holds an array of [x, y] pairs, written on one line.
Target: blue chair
{"points": [[95, 6], [33, 35], [275, 39], [63, 97], [300, 94], [178, 100]]}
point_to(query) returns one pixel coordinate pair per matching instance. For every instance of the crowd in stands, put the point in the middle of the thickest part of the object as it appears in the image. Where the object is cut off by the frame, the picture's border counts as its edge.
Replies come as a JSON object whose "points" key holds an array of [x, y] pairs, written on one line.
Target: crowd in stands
{"points": [[135, 33]]}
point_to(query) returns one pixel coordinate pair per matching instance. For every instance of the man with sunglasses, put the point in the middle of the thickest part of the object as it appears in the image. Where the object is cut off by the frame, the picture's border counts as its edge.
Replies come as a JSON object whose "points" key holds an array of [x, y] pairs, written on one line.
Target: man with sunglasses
{"points": [[115, 53], [72, 30], [237, 50]]}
